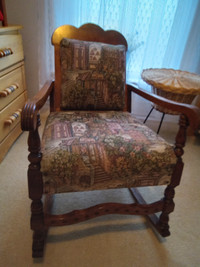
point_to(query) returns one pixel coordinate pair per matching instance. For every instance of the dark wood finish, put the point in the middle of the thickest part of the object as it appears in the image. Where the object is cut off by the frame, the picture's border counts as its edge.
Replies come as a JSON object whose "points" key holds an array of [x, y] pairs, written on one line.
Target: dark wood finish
{"points": [[140, 200], [176, 177], [30, 111], [190, 111], [128, 99], [190, 116], [57, 92], [41, 218], [30, 121], [161, 224], [77, 216], [35, 185]]}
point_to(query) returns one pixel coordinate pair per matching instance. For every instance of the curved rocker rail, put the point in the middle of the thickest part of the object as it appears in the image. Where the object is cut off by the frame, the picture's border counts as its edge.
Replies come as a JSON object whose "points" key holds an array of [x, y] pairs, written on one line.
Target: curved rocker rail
{"points": [[78, 216]]}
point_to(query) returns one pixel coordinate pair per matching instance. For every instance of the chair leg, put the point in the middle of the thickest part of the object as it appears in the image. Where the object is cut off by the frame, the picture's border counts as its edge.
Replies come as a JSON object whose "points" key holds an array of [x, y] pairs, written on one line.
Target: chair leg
{"points": [[168, 207], [35, 185], [148, 114], [39, 227], [39, 238], [39, 231], [163, 225], [160, 224]]}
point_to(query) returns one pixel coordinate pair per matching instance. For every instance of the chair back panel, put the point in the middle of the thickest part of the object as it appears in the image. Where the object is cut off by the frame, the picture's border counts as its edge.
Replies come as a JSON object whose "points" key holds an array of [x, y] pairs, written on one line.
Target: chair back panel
{"points": [[68, 49]]}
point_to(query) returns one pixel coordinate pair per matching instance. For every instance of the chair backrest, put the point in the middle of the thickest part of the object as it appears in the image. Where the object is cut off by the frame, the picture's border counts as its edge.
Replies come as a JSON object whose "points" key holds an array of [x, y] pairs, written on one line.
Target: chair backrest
{"points": [[89, 68]]}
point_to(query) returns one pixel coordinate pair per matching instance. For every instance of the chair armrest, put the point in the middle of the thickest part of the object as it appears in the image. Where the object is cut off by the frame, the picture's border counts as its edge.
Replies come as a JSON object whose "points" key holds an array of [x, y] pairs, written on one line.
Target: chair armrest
{"points": [[190, 111], [31, 107]]}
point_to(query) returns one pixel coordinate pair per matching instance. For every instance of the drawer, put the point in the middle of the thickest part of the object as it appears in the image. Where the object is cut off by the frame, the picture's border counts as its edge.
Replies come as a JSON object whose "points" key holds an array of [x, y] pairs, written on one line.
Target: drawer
{"points": [[11, 85], [9, 140], [7, 114], [10, 43]]}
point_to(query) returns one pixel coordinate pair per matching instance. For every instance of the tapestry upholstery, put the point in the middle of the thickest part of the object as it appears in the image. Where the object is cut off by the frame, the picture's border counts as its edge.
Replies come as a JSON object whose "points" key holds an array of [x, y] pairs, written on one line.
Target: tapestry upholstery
{"points": [[93, 75], [88, 150]]}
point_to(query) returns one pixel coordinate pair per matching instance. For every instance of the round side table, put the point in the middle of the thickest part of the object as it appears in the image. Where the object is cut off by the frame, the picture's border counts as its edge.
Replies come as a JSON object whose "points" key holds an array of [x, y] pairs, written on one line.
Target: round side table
{"points": [[176, 85]]}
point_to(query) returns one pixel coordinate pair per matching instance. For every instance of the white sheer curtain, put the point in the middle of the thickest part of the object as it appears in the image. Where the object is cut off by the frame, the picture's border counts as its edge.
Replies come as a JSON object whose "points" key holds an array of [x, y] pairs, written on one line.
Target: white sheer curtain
{"points": [[158, 31]]}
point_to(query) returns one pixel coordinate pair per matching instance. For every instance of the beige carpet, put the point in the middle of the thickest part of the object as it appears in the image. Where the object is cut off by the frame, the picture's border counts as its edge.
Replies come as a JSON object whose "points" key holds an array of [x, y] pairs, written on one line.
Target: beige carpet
{"points": [[110, 241]]}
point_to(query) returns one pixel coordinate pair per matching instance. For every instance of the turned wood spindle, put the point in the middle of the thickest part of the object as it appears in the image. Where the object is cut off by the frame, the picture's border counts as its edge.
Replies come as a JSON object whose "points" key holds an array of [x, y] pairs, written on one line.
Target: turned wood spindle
{"points": [[176, 176]]}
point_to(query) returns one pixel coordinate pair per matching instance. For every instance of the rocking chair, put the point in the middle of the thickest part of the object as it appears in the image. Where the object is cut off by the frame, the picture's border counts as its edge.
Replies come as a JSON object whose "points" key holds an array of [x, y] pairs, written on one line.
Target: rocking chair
{"points": [[91, 141]]}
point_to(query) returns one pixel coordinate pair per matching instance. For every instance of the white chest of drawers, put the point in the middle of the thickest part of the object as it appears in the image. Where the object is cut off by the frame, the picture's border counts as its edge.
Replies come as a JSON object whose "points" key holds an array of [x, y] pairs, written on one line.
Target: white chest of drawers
{"points": [[12, 86]]}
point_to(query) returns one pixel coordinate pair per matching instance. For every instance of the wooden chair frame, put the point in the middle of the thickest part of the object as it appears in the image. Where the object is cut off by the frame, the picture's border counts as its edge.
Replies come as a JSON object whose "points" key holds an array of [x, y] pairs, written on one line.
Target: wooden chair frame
{"points": [[41, 218]]}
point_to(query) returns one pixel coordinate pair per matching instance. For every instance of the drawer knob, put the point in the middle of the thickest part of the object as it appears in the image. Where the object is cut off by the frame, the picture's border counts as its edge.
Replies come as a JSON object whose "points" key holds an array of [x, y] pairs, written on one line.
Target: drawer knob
{"points": [[13, 117], [5, 52], [9, 90]]}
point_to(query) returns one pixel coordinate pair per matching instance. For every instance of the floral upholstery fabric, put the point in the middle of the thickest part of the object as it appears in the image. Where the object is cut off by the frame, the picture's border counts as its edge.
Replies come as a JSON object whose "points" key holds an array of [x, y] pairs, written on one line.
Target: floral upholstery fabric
{"points": [[93, 75], [88, 150]]}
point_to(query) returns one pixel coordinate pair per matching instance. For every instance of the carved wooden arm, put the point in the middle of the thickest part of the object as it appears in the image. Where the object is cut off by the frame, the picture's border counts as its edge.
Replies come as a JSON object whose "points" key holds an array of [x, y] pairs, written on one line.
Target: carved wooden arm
{"points": [[31, 108], [190, 111]]}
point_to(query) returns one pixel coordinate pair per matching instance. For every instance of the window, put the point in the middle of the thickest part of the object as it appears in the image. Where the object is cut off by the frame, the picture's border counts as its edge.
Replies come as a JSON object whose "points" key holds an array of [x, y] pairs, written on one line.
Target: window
{"points": [[160, 33]]}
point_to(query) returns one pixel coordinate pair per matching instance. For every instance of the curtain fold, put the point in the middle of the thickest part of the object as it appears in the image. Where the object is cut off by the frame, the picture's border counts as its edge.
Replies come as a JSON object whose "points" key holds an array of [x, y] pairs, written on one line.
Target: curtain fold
{"points": [[45, 26], [158, 31]]}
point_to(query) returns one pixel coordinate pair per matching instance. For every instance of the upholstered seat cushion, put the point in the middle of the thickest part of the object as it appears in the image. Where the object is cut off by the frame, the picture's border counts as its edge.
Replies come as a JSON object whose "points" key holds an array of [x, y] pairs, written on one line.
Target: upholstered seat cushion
{"points": [[86, 150]]}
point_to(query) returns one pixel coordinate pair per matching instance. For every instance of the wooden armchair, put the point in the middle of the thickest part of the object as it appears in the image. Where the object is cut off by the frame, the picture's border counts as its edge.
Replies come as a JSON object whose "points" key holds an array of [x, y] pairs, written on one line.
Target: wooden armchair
{"points": [[91, 141]]}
